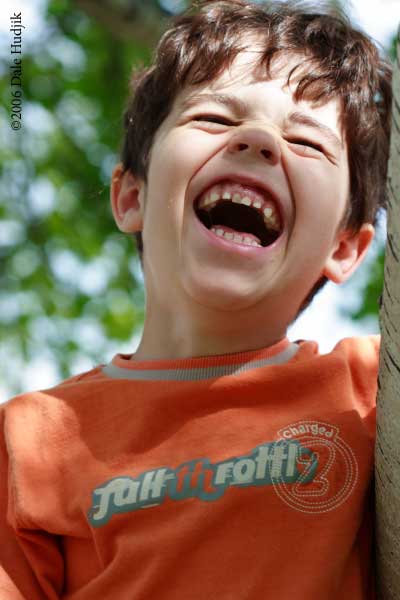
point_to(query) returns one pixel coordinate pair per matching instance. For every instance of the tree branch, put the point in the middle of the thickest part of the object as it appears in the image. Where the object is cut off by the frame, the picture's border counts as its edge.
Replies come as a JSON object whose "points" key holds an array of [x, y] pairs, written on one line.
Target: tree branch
{"points": [[135, 22]]}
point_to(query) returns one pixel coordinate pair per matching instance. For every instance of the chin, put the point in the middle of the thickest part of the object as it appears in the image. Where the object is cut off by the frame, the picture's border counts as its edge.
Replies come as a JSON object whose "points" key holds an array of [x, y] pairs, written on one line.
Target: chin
{"points": [[224, 293]]}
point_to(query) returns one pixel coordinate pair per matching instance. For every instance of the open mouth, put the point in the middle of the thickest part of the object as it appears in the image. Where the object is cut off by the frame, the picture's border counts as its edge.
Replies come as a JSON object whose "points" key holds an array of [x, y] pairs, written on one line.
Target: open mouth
{"points": [[239, 213]]}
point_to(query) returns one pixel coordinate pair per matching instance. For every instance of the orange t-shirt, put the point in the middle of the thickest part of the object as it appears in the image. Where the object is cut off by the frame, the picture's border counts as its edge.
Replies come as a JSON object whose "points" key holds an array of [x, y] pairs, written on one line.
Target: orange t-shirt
{"points": [[234, 477]]}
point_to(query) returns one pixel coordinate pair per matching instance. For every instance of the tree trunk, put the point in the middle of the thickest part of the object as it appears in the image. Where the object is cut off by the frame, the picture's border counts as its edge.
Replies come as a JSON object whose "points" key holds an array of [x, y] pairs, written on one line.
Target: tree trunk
{"points": [[387, 452]]}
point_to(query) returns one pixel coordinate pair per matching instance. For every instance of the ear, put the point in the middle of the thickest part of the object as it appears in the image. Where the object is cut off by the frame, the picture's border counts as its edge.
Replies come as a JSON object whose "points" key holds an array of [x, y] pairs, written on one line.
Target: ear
{"points": [[126, 197], [348, 253]]}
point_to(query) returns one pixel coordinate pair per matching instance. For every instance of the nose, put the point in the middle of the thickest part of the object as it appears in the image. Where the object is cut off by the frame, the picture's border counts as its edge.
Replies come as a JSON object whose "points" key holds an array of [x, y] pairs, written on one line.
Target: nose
{"points": [[259, 143]]}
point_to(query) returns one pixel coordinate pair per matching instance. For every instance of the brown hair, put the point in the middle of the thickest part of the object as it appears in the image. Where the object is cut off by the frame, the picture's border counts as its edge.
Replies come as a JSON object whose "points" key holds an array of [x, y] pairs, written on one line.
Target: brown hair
{"points": [[341, 62]]}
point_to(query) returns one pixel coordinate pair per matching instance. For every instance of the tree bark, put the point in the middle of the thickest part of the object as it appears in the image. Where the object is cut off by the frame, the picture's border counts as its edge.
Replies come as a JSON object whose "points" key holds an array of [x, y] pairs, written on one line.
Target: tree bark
{"points": [[387, 451], [138, 21]]}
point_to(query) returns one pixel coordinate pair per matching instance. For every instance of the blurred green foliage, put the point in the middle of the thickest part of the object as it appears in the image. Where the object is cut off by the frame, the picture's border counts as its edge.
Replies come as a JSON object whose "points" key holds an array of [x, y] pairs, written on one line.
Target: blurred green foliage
{"points": [[69, 281], [372, 290], [57, 228]]}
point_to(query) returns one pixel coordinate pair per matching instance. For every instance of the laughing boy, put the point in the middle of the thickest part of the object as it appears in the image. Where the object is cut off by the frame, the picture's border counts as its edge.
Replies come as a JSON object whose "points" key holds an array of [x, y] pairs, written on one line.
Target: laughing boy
{"points": [[220, 460]]}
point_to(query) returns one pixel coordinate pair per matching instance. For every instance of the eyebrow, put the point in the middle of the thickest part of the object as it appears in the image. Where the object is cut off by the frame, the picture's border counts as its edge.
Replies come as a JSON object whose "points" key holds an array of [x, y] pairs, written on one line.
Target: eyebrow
{"points": [[240, 109], [235, 104], [300, 118]]}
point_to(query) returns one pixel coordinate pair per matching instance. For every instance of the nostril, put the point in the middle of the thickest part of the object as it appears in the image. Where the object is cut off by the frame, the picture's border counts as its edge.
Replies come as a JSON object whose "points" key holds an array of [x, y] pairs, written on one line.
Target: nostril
{"points": [[266, 153]]}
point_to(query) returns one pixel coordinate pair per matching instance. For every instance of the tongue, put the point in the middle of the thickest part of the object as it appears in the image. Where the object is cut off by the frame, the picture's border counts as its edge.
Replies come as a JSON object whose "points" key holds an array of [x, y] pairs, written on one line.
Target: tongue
{"points": [[243, 233]]}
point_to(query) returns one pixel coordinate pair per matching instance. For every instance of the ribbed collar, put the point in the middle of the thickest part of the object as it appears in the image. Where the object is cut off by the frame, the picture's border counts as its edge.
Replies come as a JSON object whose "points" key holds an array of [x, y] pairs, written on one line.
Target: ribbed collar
{"points": [[124, 366]]}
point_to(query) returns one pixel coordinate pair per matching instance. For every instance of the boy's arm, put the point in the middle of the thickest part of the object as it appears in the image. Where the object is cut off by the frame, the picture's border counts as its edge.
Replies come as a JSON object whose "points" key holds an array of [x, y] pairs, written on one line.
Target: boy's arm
{"points": [[31, 566]]}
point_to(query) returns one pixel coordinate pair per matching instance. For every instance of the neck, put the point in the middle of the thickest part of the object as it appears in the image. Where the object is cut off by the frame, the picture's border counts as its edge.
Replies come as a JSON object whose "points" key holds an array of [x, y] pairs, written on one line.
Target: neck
{"points": [[173, 333]]}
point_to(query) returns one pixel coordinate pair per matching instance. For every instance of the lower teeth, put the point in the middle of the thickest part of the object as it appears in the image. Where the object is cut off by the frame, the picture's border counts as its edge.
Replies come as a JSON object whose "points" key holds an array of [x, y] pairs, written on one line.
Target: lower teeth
{"points": [[232, 237]]}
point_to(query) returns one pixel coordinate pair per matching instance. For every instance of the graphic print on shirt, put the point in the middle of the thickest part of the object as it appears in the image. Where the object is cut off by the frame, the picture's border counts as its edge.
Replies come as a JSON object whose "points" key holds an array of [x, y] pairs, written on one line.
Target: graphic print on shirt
{"points": [[309, 466], [337, 471]]}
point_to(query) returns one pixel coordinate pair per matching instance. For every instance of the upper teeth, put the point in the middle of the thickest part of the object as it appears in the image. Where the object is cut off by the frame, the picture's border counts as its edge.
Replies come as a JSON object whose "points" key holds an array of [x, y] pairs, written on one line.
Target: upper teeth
{"points": [[249, 197]]}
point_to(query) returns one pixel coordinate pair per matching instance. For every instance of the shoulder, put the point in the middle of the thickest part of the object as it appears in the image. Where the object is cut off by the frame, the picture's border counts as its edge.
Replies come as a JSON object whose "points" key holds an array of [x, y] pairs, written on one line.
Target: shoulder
{"points": [[76, 383], [54, 407], [361, 352], [349, 370], [357, 360], [44, 427]]}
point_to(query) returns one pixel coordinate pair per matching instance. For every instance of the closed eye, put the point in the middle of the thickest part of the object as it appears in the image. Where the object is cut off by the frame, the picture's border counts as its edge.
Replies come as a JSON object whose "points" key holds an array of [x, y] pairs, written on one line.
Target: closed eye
{"points": [[302, 142], [213, 119]]}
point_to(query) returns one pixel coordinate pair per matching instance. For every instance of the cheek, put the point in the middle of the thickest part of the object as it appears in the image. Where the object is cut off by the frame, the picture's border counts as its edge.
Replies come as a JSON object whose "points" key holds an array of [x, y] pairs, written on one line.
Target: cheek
{"points": [[175, 160], [319, 193], [319, 199], [177, 157]]}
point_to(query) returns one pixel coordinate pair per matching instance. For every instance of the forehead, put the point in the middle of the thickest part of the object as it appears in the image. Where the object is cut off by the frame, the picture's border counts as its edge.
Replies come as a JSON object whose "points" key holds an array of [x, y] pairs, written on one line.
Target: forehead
{"points": [[245, 68]]}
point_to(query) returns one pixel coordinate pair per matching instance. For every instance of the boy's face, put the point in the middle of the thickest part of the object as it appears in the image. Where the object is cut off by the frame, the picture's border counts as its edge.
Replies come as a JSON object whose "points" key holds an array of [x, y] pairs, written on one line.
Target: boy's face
{"points": [[238, 131]]}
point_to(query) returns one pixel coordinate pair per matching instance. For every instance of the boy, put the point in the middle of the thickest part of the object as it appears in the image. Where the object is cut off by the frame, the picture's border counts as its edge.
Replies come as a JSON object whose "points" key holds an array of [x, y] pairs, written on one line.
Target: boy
{"points": [[220, 460]]}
